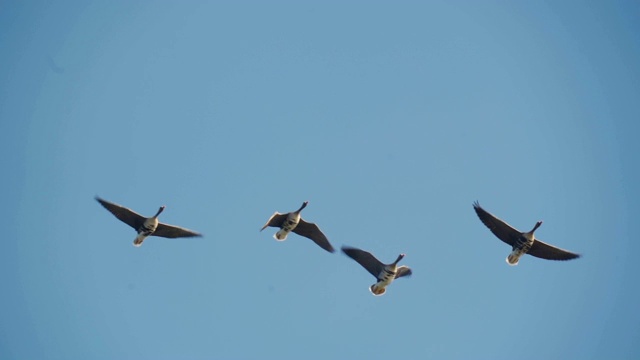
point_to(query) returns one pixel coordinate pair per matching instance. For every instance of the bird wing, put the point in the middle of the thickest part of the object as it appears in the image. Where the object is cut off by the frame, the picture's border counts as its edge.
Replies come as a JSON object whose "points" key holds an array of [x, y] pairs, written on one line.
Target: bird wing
{"points": [[403, 271], [368, 261], [276, 220], [498, 227], [125, 215], [172, 232], [545, 251], [313, 232]]}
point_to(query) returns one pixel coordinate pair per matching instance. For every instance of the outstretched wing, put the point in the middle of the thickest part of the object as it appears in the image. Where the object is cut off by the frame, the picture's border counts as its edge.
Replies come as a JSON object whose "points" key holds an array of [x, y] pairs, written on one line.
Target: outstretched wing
{"points": [[403, 271], [125, 215], [313, 232], [498, 227], [276, 220], [545, 251], [368, 261], [170, 231]]}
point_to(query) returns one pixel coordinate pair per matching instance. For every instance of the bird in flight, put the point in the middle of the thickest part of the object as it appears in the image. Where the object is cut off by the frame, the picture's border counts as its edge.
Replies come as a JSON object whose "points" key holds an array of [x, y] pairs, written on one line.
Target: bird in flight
{"points": [[384, 273], [521, 242], [293, 222], [146, 226]]}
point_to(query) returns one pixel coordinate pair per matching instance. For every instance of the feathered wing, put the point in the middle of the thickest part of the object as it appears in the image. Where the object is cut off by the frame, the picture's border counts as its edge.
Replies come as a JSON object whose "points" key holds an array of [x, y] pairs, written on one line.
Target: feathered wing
{"points": [[543, 250], [313, 232], [403, 271], [499, 228], [172, 232], [368, 261], [125, 215], [276, 220]]}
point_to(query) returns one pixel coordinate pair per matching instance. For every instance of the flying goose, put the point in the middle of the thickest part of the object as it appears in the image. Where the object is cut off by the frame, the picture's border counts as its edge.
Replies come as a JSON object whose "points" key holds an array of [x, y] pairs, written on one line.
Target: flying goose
{"points": [[146, 226], [521, 242], [384, 273], [293, 222]]}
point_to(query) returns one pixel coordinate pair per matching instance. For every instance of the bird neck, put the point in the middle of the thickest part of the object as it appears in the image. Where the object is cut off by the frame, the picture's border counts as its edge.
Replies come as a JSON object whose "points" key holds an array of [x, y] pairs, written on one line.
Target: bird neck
{"points": [[159, 211], [304, 205]]}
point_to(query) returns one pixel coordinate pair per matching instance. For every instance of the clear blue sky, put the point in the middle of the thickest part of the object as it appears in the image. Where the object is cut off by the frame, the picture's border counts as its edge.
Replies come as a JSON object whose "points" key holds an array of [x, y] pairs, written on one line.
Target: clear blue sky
{"points": [[391, 119]]}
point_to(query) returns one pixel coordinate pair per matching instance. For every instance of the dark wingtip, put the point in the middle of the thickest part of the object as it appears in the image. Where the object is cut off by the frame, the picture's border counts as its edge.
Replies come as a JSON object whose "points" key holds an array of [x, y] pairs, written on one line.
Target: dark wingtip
{"points": [[572, 256], [101, 201], [345, 249]]}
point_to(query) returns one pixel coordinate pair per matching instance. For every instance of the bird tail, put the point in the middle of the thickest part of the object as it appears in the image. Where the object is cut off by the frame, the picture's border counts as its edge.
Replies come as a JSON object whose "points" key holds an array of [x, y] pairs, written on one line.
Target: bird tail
{"points": [[513, 258], [377, 290], [137, 242], [281, 235]]}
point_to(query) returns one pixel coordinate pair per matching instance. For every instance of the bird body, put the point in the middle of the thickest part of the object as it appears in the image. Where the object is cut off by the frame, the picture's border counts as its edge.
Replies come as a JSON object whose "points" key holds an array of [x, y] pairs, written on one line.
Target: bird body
{"points": [[146, 227], [385, 274], [385, 278], [293, 222], [522, 245], [521, 242], [293, 219]]}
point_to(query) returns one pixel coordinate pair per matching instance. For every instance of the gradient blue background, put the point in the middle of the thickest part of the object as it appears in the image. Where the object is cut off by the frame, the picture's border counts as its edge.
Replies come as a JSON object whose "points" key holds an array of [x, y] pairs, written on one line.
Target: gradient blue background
{"points": [[391, 119]]}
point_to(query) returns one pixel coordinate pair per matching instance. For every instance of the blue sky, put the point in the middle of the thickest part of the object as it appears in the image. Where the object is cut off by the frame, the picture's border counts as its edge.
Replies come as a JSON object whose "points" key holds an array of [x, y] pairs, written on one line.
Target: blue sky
{"points": [[390, 119]]}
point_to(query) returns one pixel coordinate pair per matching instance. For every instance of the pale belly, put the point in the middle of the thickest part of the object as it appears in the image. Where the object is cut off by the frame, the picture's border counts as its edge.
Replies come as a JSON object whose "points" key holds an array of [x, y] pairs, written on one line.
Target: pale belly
{"points": [[514, 257], [287, 227], [521, 248], [148, 228]]}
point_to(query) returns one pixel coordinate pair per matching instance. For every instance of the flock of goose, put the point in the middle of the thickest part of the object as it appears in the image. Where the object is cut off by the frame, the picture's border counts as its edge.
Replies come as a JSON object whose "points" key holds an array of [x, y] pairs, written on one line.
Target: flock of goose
{"points": [[521, 242]]}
